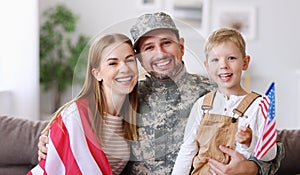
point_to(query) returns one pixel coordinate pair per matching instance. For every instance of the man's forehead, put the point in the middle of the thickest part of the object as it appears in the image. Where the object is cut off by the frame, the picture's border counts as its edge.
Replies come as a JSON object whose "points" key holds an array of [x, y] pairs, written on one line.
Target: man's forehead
{"points": [[159, 34]]}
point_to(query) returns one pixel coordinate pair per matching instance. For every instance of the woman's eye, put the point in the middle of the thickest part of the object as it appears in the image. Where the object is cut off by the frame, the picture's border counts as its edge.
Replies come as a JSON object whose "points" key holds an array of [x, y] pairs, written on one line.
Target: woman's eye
{"points": [[131, 59], [112, 63]]}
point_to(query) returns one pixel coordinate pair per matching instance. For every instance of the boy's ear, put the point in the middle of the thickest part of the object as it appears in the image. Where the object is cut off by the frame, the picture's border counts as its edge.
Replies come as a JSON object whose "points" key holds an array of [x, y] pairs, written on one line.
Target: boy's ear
{"points": [[206, 65], [246, 62], [96, 73]]}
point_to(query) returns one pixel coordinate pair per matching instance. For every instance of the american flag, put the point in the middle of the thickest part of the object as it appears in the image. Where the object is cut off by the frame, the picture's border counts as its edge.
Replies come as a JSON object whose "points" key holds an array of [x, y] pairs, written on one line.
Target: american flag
{"points": [[73, 147], [269, 136]]}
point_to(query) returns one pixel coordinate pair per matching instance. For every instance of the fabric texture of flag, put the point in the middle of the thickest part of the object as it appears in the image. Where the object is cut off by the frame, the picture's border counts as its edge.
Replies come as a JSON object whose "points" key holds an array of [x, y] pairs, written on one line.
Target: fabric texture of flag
{"points": [[72, 147], [269, 136]]}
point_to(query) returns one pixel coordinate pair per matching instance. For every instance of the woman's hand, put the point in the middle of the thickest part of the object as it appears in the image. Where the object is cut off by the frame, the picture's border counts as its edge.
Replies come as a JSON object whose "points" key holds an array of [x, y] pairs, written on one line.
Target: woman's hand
{"points": [[238, 165], [43, 140]]}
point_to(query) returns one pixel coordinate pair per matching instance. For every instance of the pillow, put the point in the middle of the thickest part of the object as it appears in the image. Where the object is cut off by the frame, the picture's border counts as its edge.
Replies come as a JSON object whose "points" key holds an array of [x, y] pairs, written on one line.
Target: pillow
{"points": [[19, 139], [291, 142]]}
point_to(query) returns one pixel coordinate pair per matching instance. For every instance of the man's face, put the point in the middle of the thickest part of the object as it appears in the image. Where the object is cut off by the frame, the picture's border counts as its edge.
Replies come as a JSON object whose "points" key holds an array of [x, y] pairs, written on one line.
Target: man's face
{"points": [[161, 53]]}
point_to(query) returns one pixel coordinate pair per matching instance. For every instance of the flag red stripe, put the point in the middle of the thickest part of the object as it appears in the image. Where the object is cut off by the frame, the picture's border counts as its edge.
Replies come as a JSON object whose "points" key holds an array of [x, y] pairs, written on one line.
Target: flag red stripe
{"points": [[266, 147], [63, 147], [93, 145], [269, 129]]}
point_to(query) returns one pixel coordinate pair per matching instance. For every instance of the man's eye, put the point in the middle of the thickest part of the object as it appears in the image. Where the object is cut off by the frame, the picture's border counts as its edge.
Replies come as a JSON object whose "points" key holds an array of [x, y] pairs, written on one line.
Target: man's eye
{"points": [[167, 42], [148, 48]]}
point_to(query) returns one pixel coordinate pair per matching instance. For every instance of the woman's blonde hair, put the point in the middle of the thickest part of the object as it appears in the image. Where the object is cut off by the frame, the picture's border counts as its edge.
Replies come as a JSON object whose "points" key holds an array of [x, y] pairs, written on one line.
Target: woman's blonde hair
{"points": [[92, 90], [223, 35]]}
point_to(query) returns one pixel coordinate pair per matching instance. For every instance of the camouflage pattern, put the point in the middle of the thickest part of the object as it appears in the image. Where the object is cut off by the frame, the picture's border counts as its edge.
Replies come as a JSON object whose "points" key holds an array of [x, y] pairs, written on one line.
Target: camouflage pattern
{"points": [[270, 168], [164, 107], [149, 22]]}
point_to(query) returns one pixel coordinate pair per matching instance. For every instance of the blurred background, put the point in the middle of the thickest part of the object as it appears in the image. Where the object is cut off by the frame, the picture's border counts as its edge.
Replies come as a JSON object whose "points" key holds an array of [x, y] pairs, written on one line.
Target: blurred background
{"points": [[270, 27]]}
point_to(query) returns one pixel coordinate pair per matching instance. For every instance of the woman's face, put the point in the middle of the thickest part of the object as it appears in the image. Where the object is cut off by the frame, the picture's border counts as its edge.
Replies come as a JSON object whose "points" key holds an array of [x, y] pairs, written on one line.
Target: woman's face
{"points": [[118, 69]]}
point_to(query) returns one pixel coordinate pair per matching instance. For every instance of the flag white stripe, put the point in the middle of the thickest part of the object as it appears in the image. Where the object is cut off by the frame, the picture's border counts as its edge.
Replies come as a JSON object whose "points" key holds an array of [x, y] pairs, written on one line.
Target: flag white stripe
{"points": [[267, 147], [78, 142], [54, 164], [37, 170]]}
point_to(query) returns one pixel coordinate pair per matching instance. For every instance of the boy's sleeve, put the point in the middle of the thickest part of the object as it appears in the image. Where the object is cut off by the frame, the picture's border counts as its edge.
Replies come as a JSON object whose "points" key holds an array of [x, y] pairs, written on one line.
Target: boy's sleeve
{"points": [[270, 167]]}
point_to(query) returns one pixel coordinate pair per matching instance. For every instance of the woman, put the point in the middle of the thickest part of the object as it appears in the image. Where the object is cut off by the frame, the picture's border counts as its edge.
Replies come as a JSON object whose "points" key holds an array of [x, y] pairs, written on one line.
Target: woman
{"points": [[89, 134]]}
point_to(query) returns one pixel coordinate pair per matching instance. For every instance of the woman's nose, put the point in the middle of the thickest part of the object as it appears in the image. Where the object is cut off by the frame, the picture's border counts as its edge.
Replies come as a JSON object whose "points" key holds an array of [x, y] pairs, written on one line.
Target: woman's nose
{"points": [[123, 67]]}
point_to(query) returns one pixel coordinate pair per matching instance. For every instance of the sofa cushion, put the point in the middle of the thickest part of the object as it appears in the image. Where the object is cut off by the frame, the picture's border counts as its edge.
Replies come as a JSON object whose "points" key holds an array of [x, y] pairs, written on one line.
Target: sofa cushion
{"points": [[19, 139], [290, 164]]}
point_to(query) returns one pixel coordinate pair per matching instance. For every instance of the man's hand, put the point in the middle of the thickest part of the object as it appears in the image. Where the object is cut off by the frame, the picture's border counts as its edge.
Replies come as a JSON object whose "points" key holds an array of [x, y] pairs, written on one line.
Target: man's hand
{"points": [[43, 140], [238, 165]]}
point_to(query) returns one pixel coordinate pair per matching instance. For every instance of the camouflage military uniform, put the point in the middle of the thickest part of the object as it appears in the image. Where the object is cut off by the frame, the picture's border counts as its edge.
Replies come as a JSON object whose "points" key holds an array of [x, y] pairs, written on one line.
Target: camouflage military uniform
{"points": [[164, 107]]}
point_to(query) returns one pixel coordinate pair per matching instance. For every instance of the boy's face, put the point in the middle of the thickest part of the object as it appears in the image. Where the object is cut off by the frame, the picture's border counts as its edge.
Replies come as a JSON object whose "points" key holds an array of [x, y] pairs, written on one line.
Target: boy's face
{"points": [[161, 53], [225, 64]]}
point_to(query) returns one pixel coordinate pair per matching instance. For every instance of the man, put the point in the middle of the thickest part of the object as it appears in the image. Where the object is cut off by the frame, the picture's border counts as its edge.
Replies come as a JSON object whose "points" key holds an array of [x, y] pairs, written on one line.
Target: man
{"points": [[165, 100]]}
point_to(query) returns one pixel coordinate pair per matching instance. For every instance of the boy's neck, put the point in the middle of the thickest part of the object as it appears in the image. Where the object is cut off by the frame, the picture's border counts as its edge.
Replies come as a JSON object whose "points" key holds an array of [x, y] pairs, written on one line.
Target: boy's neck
{"points": [[228, 93]]}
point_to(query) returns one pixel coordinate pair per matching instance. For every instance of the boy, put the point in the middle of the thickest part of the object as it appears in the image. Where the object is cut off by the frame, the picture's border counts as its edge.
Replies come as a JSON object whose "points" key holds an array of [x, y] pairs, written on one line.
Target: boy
{"points": [[213, 120]]}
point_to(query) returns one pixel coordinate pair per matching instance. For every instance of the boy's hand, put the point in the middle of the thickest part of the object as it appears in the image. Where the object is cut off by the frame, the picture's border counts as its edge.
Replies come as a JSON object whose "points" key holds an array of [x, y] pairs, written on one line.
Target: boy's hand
{"points": [[43, 140], [244, 135]]}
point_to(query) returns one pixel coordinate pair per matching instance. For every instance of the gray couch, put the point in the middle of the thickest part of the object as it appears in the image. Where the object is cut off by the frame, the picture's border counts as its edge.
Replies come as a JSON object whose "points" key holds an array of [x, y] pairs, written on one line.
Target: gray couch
{"points": [[19, 138], [18, 143]]}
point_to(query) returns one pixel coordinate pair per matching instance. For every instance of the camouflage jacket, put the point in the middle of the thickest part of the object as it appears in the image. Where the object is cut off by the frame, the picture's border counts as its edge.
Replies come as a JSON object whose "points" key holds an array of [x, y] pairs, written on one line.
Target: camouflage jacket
{"points": [[163, 110]]}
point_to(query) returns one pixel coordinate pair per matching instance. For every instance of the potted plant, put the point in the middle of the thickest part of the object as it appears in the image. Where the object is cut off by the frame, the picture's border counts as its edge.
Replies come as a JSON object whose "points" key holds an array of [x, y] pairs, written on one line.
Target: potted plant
{"points": [[58, 54]]}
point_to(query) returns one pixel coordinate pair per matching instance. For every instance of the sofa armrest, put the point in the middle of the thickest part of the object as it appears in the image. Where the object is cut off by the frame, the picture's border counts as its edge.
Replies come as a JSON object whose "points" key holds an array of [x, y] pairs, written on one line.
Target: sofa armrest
{"points": [[291, 142], [19, 138]]}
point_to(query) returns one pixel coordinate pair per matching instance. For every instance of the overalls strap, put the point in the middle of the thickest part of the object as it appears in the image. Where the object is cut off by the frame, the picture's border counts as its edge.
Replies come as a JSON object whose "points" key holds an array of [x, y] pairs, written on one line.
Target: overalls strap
{"points": [[245, 103], [208, 100]]}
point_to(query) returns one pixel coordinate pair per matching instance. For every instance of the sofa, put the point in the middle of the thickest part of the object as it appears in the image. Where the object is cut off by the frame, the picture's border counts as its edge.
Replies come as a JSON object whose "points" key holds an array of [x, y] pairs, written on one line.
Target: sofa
{"points": [[19, 138]]}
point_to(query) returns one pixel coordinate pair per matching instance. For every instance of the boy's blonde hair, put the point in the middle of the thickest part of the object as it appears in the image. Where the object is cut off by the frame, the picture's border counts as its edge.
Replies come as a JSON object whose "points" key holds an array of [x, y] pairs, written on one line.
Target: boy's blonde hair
{"points": [[223, 35]]}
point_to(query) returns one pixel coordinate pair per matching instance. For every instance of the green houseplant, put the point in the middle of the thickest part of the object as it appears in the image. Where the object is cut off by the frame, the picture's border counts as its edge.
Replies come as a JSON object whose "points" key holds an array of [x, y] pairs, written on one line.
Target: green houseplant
{"points": [[58, 54]]}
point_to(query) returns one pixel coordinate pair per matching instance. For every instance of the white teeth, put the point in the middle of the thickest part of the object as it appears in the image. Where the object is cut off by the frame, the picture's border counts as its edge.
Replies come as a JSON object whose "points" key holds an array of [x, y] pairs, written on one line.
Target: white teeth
{"points": [[124, 79], [163, 63], [225, 75]]}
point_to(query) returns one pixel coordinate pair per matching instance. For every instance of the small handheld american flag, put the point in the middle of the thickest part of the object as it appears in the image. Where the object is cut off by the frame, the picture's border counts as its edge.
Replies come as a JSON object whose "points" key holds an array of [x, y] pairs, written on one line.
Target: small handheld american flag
{"points": [[269, 136]]}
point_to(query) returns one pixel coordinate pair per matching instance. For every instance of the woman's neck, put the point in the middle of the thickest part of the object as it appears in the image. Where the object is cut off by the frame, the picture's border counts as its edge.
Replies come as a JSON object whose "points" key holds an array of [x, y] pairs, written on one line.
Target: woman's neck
{"points": [[115, 104]]}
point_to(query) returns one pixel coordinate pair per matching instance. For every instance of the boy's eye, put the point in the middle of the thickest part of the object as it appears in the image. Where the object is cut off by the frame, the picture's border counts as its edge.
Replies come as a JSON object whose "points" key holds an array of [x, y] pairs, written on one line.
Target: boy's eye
{"points": [[231, 58]]}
